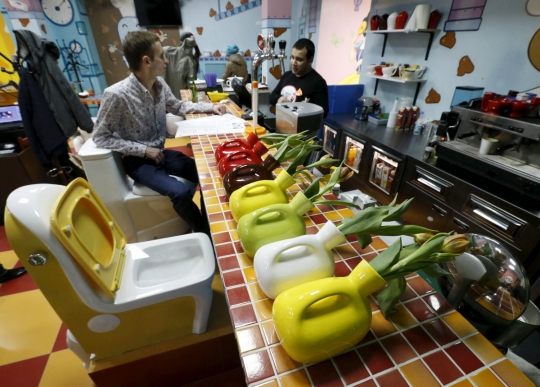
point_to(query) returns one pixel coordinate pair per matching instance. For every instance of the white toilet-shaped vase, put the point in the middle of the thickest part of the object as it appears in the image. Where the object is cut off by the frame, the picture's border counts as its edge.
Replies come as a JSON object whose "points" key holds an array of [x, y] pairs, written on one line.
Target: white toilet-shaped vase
{"points": [[113, 297], [142, 213]]}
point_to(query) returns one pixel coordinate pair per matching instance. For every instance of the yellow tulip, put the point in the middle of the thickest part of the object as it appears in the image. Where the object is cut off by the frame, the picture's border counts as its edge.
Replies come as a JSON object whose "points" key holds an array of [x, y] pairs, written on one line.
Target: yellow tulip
{"points": [[455, 244], [420, 239]]}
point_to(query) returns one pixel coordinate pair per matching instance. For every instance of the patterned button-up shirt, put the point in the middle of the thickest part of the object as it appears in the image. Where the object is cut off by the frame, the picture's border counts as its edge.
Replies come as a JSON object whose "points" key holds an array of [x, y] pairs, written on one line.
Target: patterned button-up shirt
{"points": [[129, 118]]}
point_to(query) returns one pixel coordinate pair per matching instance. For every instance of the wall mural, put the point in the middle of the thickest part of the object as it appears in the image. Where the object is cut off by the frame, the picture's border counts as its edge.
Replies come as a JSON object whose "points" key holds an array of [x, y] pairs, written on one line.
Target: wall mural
{"points": [[448, 40], [111, 21], [533, 7], [433, 96], [230, 10], [465, 15]]}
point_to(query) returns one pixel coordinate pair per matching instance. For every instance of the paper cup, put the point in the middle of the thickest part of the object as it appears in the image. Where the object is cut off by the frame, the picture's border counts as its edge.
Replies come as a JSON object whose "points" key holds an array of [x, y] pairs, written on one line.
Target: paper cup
{"points": [[488, 145]]}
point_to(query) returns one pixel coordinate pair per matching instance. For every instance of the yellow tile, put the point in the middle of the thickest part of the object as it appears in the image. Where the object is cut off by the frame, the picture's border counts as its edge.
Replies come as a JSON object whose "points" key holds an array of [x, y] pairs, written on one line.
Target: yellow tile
{"points": [[179, 141], [206, 180], [378, 244], [295, 379], [9, 259], [211, 201], [402, 319], [486, 378], [249, 339], [270, 383], [249, 272], [308, 222], [225, 207], [264, 309], [218, 227], [283, 361], [346, 213], [269, 332], [314, 211], [488, 305], [65, 369], [483, 348], [244, 260], [31, 328], [463, 383], [234, 235], [214, 209], [210, 193], [381, 326], [232, 224], [256, 291], [417, 374], [511, 375], [458, 323], [333, 215]]}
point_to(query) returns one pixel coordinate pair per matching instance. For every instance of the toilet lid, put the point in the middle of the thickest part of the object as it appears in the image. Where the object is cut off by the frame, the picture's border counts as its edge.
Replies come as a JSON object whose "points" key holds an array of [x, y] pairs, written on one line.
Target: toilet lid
{"points": [[86, 228]]}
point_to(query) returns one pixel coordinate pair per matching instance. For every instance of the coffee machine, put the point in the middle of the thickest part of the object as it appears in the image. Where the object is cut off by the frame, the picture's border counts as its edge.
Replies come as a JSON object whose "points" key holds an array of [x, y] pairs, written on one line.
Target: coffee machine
{"points": [[366, 106], [449, 124]]}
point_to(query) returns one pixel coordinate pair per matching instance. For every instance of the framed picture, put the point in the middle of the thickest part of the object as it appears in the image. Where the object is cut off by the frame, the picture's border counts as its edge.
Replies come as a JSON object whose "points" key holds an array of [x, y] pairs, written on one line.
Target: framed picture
{"points": [[330, 140]]}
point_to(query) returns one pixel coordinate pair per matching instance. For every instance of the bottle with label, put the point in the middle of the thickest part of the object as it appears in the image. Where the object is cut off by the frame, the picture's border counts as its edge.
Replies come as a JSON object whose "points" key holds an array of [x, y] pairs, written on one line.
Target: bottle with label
{"points": [[419, 125], [194, 91]]}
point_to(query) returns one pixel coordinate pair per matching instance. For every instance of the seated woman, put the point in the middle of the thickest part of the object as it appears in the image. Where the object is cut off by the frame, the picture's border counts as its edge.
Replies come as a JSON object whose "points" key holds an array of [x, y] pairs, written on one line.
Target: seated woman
{"points": [[236, 65], [183, 63]]}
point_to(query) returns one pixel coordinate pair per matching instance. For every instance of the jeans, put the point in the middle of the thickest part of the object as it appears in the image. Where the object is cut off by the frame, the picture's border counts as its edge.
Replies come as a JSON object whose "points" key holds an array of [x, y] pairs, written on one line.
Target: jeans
{"points": [[156, 177]]}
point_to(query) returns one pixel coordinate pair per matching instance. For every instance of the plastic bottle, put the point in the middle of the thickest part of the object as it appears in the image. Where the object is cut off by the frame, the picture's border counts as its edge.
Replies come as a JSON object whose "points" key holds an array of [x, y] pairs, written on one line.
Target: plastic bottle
{"points": [[419, 125], [194, 91], [255, 104]]}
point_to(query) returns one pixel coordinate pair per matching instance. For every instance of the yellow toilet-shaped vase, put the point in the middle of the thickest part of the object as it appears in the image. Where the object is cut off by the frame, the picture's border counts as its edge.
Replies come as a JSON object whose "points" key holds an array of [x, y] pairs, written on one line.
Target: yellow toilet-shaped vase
{"points": [[321, 319], [113, 297]]}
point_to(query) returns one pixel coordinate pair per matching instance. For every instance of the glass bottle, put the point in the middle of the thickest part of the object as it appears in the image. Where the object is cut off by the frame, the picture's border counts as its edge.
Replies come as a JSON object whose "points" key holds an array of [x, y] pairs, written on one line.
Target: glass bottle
{"points": [[193, 91]]}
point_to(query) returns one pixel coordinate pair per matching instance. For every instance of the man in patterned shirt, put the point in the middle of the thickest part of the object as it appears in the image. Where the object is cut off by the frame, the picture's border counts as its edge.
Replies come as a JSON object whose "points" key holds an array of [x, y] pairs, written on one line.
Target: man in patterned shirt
{"points": [[131, 120]]}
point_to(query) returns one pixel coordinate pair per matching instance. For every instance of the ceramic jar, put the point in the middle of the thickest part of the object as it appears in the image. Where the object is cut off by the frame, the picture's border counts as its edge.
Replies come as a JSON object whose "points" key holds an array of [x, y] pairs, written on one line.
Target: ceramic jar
{"points": [[303, 314], [233, 146], [228, 162], [281, 265], [249, 173], [260, 194], [273, 223]]}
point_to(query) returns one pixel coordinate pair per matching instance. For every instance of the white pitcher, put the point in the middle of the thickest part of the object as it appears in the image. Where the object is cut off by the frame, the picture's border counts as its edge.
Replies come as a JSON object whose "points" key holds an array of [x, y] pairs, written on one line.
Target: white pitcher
{"points": [[281, 265]]}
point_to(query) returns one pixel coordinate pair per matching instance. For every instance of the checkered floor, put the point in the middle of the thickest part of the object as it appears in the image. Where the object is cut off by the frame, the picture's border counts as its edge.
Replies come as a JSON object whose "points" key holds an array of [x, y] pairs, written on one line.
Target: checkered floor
{"points": [[33, 350]]}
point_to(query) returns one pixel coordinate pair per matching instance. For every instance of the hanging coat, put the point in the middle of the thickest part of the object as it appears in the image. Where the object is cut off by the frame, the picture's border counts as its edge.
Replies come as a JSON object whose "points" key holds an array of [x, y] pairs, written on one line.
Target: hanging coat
{"points": [[40, 56], [181, 67]]}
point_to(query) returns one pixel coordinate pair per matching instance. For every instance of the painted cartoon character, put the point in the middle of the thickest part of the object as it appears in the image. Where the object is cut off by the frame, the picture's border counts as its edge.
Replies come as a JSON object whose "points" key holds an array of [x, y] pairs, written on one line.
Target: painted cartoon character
{"points": [[356, 55]]}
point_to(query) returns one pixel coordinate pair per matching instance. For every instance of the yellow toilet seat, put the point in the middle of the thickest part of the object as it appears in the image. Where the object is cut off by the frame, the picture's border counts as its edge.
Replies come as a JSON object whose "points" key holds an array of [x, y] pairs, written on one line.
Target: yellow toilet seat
{"points": [[87, 230]]}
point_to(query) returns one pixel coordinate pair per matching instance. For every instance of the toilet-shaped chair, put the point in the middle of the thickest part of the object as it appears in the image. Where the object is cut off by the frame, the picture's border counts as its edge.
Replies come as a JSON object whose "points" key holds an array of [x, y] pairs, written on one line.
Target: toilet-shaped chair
{"points": [[142, 213], [112, 296]]}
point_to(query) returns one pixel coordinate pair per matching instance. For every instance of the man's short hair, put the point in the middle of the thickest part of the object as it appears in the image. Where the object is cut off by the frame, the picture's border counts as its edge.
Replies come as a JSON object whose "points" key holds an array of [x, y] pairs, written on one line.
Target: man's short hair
{"points": [[308, 45], [138, 44]]}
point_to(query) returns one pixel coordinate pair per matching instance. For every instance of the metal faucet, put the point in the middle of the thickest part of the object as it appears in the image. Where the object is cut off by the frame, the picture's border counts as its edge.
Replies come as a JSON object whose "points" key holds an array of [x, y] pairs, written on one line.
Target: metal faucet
{"points": [[268, 53]]}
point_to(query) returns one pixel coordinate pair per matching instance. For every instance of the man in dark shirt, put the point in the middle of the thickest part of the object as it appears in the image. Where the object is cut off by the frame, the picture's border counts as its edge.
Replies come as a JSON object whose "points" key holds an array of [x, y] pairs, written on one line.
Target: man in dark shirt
{"points": [[302, 83]]}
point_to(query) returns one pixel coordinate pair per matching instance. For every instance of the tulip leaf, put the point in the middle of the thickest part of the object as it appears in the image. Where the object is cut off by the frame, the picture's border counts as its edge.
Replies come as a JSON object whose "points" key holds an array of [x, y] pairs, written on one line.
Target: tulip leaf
{"points": [[387, 258], [395, 213], [389, 297], [402, 230], [435, 270], [364, 240], [363, 222], [336, 203], [313, 188]]}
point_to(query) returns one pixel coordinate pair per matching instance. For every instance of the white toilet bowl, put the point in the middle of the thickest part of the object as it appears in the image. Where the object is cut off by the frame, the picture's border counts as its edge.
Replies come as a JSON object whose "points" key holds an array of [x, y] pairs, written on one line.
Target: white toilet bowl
{"points": [[112, 296], [142, 213]]}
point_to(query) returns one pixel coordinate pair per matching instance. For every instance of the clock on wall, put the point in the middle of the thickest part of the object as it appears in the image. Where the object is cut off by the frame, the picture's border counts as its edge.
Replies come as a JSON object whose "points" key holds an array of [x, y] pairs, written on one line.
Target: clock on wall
{"points": [[60, 12]]}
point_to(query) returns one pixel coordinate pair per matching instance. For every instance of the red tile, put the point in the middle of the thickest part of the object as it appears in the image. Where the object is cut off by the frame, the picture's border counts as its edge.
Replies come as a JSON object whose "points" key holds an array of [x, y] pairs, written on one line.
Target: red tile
{"points": [[438, 303], [325, 207], [351, 367], [443, 367], [419, 340], [353, 262], [232, 278], [324, 375], [4, 243], [204, 175], [60, 343], [224, 199], [351, 238], [228, 263], [369, 257], [243, 315], [312, 230], [408, 294], [367, 338], [375, 358], [440, 332], [398, 348], [222, 237], [392, 379], [228, 215], [420, 286], [257, 366], [226, 249], [420, 310], [464, 358], [368, 383], [237, 295], [216, 217], [358, 248], [238, 247], [342, 270], [373, 304], [26, 373], [318, 219], [207, 187], [22, 284]]}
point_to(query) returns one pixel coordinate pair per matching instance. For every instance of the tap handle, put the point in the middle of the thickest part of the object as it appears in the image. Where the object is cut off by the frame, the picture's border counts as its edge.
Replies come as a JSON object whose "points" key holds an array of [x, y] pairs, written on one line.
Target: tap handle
{"points": [[273, 44], [282, 45]]}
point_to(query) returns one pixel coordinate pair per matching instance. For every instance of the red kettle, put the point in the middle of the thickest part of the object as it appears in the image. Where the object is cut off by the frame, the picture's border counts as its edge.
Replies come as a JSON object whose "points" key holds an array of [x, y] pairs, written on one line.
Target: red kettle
{"points": [[246, 156], [233, 146]]}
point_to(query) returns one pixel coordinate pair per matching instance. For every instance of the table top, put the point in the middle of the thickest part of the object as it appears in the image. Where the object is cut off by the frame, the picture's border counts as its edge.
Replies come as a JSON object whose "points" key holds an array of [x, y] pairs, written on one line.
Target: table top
{"points": [[92, 100], [426, 343]]}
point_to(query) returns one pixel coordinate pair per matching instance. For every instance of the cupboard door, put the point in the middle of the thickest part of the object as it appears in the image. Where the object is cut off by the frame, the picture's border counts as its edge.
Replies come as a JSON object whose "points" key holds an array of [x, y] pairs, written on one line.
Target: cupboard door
{"points": [[425, 210]]}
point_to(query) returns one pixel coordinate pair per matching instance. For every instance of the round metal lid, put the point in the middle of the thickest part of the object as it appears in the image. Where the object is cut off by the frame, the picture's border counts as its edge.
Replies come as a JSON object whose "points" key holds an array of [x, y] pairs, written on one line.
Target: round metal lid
{"points": [[502, 294]]}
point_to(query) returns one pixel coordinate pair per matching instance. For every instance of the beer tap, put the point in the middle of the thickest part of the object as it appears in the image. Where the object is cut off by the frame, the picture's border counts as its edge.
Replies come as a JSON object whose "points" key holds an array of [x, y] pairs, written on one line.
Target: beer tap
{"points": [[267, 52]]}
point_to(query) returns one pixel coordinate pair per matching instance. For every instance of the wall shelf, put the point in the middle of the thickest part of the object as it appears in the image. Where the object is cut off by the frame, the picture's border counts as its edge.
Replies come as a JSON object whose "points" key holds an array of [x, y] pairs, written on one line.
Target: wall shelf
{"points": [[431, 32], [398, 80]]}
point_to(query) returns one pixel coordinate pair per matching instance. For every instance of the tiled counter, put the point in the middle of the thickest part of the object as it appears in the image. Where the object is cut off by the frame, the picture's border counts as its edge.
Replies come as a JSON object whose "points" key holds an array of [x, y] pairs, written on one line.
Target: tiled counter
{"points": [[427, 343]]}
